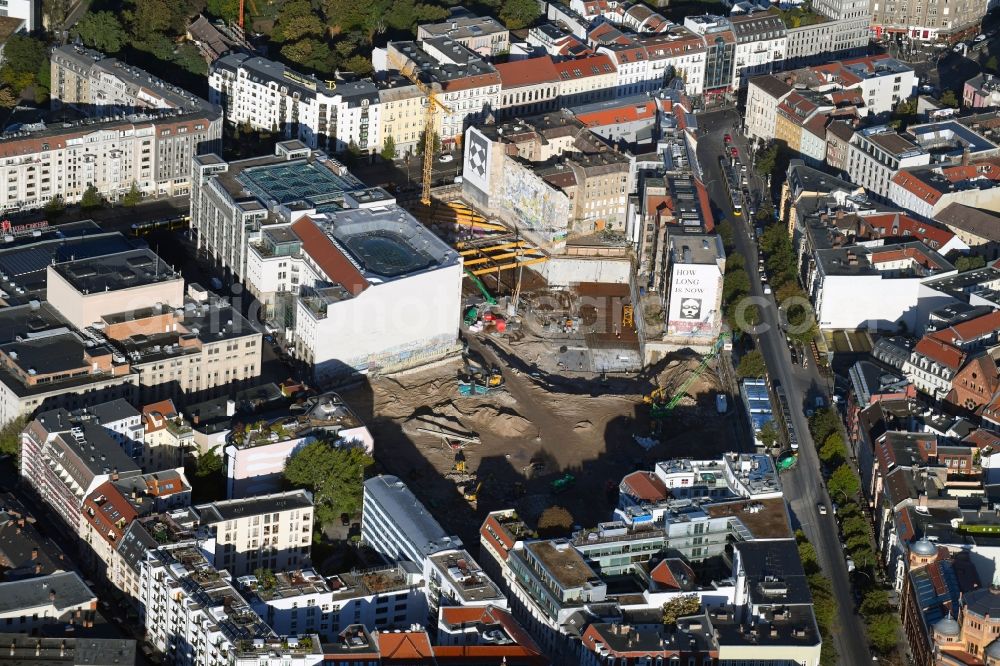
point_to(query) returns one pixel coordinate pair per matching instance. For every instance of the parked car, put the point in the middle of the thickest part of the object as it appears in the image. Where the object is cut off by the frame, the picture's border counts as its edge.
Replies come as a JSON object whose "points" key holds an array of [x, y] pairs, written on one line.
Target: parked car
{"points": [[345, 520], [734, 151], [446, 158], [727, 138], [979, 38]]}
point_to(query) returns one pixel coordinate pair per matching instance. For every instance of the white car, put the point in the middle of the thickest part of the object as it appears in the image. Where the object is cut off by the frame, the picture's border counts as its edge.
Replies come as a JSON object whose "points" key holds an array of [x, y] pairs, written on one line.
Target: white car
{"points": [[958, 48], [979, 38], [446, 158], [822, 508]]}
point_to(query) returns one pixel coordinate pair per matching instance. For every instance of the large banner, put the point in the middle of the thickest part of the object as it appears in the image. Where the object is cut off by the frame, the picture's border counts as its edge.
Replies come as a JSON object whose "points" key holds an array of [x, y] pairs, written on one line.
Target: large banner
{"points": [[694, 300]]}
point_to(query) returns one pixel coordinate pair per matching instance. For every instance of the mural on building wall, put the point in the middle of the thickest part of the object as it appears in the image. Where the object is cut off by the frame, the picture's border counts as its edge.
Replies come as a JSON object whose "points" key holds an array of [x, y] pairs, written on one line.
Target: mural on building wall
{"points": [[535, 205], [693, 308]]}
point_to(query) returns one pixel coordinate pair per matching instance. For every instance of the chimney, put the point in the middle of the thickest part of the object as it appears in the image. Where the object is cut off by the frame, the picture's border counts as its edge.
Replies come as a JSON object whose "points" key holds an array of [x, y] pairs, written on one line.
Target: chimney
{"points": [[52, 595], [34, 553], [114, 474], [38, 568], [230, 407], [965, 156]]}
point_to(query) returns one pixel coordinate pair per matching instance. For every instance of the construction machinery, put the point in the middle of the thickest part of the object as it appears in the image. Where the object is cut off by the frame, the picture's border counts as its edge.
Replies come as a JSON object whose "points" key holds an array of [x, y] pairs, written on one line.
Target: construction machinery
{"points": [[471, 493], [660, 408], [433, 106], [478, 378], [482, 287], [253, 6], [563, 483]]}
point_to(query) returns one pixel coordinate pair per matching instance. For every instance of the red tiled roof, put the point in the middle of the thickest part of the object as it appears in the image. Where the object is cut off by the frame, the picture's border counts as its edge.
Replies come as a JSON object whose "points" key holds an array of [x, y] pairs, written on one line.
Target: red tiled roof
{"points": [[326, 255], [469, 82], [706, 205], [885, 256], [898, 224], [155, 415], [982, 438], [622, 114], [644, 486], [527, 72], [940, 352], [405, 645], [109, 512], [968, 331], [594, 65]]}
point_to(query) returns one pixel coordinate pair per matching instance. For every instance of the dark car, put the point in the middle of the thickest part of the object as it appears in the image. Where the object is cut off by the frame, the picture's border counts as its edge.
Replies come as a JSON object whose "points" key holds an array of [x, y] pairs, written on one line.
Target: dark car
{"points": [[345, 520]]}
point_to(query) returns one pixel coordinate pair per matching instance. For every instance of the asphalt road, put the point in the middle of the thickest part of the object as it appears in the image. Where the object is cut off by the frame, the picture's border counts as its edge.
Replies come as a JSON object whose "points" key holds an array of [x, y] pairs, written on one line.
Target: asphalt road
{"points": [[803, 484]]}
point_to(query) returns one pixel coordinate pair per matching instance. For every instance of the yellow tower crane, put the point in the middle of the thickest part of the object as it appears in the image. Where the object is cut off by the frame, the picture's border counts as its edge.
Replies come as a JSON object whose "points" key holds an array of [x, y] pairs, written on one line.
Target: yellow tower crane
{"points": [[433, 106]]}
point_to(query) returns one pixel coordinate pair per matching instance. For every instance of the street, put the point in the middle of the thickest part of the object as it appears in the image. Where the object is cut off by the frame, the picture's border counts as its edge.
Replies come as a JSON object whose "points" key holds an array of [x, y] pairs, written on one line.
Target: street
{"points": [[803, 484]]}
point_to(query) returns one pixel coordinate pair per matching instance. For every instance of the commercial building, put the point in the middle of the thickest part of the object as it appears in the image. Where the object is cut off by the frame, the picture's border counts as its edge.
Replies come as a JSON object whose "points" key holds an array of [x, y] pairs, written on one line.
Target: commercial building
{"points": [[25, 649], [230, 202], [693, 291], [267, 95], [548, 176], [256, 455], [926, 22], [28, 606], [45, 364], [267, 531], [397, 526], [822, 41]]}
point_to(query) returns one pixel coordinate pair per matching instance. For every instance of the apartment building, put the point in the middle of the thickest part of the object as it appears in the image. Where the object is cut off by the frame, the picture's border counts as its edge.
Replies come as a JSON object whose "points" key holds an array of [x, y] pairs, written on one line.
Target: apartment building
{"points": [[819, 42], [33, 605], [589, 79], [483, 35], [65, 459], [877, 153], [764, 94], [527, 86], [761, 43], [98, 86], [511, 170], [720, 54], [466, 85], [302, 601], [166, 436], [192, 612], [403, 115], [267, 531], [927, 191], [680, 50], [267, 95], [397, 526], [928, 21], [150, 151], [981, 91]]}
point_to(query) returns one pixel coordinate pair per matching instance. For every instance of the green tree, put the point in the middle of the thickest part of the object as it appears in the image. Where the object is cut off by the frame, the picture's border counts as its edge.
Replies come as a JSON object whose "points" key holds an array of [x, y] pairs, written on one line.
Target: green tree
{"points": [[970, 262], [948, 99], [10, 436], [854, 526], [310, 53], [752, 365], [874, 603], [823, 423], [91, 199], [992, 64], [517, 14], [358, 64], [833, 450], [132, 197], [23, 56], [435, 143], [728, 236], [768, 434], [767, 160], [227, 10], [8, 98], [844, 480], [334, 475], [555, 521], [883, 632], [265, 578], [56, 11], [189, 58], [678, 607], [55, 206], [102, 31], [209, 463], [388, 151], [296, 20]]}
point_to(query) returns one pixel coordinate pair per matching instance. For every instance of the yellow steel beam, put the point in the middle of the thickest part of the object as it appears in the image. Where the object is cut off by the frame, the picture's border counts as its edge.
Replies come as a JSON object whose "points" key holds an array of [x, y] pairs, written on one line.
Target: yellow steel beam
{"points": [[504, 267]]}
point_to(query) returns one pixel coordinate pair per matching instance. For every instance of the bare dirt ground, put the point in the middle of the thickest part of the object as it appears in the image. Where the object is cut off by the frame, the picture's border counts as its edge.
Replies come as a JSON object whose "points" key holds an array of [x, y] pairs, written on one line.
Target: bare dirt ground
{"points": [[583, 426]]}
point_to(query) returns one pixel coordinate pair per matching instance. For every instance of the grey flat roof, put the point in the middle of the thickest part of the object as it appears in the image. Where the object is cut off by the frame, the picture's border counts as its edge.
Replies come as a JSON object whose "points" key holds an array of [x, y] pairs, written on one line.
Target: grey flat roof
{"points": [[774, 572], [410, 516], [25, 650], [122, 270], [253, 506], [115, 410], [69, 588]]}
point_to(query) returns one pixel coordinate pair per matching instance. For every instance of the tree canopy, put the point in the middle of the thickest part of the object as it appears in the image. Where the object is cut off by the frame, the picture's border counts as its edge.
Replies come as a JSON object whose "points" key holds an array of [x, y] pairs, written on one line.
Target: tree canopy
{"points": [[335, 475], [678, 607], [102, 31], [752, 365], [24, 57]]}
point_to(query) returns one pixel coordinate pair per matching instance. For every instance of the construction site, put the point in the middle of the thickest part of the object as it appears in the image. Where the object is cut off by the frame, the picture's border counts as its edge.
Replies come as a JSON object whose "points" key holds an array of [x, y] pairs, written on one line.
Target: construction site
{"points": [[549, 403]]}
